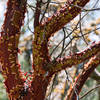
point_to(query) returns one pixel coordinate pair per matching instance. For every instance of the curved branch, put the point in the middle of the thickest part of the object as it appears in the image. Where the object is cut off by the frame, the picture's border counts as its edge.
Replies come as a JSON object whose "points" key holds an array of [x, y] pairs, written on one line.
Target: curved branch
{"points": [[62, 17], [74, 59], [81, 78], [95, 75]]}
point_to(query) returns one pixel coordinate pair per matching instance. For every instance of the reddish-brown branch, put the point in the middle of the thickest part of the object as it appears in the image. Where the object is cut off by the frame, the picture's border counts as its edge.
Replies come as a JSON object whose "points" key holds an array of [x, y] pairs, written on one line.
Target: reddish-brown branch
{"points": [[37, 13], [62, 17], [75, 59], [75, 89], [9, 46], [44, 32], [40, 51], [39, 87]]}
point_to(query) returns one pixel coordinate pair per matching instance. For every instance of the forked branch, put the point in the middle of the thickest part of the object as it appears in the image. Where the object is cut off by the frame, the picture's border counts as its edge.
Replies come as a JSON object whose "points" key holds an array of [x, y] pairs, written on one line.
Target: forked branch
{"points": [[62, 17], [77, 58]]}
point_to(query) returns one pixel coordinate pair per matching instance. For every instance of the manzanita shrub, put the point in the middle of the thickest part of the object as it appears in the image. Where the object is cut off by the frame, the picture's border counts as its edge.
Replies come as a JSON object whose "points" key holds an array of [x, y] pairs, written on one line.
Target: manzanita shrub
{"points": [[17, 86]]}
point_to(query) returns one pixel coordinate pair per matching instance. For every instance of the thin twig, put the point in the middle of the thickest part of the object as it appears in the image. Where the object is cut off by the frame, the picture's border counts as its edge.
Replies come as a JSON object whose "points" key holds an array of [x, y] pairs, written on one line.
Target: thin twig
{"points": [[48, 2], [82, 32], [98, 86]]}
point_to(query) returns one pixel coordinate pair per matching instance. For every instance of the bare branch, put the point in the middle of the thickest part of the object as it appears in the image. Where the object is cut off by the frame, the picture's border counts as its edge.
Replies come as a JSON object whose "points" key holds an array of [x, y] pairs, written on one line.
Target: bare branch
{"points": [[74, 59], [44, 31], [62, 17], [9, 45], [82, 77], [98, 86], [37, 13]]}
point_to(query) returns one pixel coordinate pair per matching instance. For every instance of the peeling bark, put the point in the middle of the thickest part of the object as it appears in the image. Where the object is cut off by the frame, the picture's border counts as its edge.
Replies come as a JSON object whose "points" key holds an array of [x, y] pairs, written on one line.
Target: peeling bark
{"points": [[44, 68]]}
